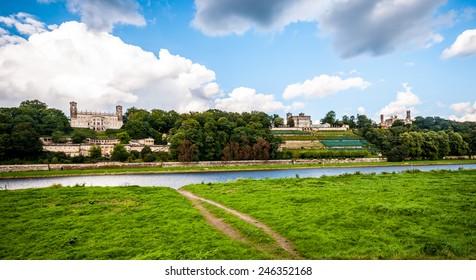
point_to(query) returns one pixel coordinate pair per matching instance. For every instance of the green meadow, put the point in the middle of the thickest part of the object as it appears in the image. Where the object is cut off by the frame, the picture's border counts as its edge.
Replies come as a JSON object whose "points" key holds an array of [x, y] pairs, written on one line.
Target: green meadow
{"points": [[411, 215], [109, 223]]}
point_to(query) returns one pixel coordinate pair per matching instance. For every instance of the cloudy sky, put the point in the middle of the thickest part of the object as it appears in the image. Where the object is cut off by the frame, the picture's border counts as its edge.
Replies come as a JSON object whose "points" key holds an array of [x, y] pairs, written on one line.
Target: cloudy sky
{"points": [[352, 56]]}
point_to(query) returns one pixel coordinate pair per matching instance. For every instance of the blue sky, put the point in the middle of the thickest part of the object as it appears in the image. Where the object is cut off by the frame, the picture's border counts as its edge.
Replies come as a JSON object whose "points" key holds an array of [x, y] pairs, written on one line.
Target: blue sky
{"points": [[354, 57]]}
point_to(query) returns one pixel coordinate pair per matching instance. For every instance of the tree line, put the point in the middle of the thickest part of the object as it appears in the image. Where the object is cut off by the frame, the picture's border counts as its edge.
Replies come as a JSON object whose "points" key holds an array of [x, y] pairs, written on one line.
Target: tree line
{"points": [[425, 138]]}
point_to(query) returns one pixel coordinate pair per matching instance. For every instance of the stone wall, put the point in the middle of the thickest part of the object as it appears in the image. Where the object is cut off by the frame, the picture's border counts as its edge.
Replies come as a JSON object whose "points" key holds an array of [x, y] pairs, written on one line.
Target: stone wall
{"points": [[112, 165]]}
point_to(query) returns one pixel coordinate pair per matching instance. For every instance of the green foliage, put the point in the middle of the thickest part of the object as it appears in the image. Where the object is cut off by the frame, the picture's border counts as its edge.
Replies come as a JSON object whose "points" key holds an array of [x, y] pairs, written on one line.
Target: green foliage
{"points": [[119, 153], [24, 125], [329, 118], [400, 143], [95, 152], [81, 134], [123, 137]]}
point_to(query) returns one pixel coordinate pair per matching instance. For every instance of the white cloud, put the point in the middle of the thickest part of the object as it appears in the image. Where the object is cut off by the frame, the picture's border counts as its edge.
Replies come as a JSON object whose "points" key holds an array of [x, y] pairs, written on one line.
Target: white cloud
{"points": [[103, 15], [374, 27], [405, 100], [378, 27], [24, 23], [361, 110], [244, 99], [465, 45], [323, 85], [98, 70], [223, 17], [465, 112]]}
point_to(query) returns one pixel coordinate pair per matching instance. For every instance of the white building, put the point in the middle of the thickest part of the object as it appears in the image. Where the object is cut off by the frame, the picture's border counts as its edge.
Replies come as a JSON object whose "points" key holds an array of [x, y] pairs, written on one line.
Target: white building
{"points": [[95, 120]]}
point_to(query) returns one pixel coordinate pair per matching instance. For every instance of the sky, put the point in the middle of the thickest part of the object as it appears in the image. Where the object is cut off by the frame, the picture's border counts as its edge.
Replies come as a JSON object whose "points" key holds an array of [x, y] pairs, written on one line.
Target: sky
{"points": [[354, 57]]}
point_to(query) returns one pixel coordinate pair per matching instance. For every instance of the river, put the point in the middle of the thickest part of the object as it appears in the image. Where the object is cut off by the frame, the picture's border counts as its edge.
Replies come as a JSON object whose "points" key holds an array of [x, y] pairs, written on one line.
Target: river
{"points": [[178, 180]]}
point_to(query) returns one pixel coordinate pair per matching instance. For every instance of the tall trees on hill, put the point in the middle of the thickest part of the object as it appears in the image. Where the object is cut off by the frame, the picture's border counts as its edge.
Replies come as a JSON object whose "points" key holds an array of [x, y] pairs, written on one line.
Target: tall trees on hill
{"points": [[21, 127]]}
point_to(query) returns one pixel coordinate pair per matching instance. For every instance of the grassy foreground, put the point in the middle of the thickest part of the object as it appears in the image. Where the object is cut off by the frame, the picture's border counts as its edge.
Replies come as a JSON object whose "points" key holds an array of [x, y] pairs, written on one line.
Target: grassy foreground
{"points": [[420, 215], [109, 171], [109, 223]]}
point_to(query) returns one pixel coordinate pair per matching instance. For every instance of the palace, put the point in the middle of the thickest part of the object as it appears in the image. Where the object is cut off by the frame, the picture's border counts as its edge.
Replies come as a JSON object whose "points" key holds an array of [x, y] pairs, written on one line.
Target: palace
{"points": [[301, 120], [95, 120], [389, 122]]}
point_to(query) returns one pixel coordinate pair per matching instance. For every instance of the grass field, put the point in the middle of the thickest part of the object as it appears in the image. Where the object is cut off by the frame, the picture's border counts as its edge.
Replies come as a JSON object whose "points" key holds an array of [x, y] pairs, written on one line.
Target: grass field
{"points": [[412, 215], [109, 223], [423, 215]]}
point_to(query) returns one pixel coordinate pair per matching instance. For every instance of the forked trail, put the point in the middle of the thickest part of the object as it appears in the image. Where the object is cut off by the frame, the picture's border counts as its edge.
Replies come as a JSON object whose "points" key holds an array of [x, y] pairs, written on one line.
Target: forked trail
{"points": [[230, 231]]}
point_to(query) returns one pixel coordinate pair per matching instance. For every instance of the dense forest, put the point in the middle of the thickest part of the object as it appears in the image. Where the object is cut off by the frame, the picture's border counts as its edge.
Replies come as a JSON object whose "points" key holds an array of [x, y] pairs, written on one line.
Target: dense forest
{"points": [[210, 135], [216, 135], [425, 138]]}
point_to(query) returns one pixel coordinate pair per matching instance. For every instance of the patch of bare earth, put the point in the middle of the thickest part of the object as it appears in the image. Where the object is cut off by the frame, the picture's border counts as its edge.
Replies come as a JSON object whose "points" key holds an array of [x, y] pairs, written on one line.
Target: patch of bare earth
{"points": [[218, 223]]}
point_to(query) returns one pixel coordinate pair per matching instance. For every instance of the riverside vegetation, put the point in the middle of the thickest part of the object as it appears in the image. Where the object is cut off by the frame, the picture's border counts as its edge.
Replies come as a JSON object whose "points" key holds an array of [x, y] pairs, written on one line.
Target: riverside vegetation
{"points": [[409, 215]]}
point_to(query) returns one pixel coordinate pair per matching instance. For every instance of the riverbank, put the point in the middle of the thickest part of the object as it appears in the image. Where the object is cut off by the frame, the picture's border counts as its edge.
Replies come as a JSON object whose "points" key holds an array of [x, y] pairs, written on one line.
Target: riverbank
{"points": [[110, 168]]}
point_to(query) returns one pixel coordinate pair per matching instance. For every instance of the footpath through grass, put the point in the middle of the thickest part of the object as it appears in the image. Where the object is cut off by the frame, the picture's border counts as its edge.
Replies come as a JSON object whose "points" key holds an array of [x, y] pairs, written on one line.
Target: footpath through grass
{"points": [[412, 215], [109, 223]]}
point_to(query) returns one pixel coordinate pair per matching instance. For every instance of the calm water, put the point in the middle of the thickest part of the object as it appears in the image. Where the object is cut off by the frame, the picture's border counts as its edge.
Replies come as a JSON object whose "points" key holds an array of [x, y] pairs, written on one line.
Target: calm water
{"points": [[178, 180]]}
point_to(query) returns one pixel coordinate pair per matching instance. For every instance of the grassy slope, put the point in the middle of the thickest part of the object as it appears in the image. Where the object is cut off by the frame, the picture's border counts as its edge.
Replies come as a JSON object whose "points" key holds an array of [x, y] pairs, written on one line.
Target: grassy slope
{"points": [[109, 223], [391, 216]]}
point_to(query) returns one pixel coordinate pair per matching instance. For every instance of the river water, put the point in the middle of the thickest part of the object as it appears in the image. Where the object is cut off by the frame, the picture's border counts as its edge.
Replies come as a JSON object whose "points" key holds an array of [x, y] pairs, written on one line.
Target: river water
{"points": [[178, 180]]}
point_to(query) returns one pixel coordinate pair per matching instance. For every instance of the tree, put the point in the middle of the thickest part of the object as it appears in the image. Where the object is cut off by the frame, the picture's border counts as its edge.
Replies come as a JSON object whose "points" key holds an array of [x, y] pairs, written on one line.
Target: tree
{"points": [[25, 141], [58, 137], [123, 137], [458, 147], [291, 122], [329, 118], [145, 151], [119, 153], [187, 151], [95, 152], [261, 150]]}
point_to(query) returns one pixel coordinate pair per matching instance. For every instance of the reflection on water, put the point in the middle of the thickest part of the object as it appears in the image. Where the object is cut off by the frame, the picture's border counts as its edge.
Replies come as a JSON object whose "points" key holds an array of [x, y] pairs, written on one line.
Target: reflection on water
{"points": [[178, 180]]}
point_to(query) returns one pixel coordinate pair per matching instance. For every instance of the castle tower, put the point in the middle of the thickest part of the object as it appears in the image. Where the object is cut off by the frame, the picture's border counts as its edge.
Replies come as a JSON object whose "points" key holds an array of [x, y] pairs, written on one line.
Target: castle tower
{"points": [[73, 110], [119, 112], [408, 115], [381, 120]]}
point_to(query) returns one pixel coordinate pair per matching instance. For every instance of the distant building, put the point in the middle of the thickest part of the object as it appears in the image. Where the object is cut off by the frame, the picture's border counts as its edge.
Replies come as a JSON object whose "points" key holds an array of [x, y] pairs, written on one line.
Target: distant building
{"points": [[300, 121], [106, 145], [95, 120], [387, 123]]}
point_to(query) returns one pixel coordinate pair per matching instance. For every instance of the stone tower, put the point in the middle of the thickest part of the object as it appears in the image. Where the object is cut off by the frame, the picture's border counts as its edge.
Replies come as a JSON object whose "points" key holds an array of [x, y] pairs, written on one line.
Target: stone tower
{"points": [[119, 112], [73, 110], [382, 121], [408, 115]]}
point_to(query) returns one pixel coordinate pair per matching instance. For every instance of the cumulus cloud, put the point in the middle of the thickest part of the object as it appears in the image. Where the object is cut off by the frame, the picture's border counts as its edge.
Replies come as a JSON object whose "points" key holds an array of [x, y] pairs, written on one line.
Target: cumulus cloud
{"points": [[361, 110], [378, 27], [324, 85], [374, 27], [465, 45], [223, 17], [103, 15], [244, 99], [405, 100], [98, 70], [465, 112]]}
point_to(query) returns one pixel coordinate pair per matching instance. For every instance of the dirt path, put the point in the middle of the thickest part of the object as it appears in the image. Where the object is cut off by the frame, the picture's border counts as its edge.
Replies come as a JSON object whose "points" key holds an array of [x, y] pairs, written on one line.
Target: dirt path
{"points": [[227, 229]]}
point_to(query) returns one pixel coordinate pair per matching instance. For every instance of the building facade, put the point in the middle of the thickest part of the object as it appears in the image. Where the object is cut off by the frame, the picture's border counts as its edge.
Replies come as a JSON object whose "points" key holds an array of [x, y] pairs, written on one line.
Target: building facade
{"points": [[387, 123], [95, 120], [301, 120]]}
